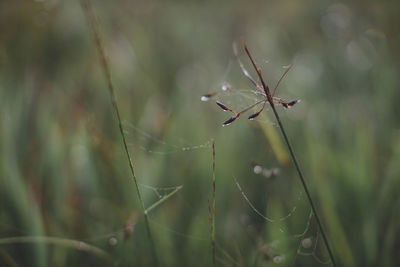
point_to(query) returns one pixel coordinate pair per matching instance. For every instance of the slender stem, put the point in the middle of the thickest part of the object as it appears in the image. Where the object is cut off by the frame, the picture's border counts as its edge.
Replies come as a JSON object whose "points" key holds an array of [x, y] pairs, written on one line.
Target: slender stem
{"points": [[214, 206], [107, 73], [304, 186], [211, 210], [252, 106]]}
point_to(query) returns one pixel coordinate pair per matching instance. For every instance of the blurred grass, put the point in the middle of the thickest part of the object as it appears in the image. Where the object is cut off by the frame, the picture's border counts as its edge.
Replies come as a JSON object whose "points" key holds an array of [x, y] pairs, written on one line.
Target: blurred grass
{"points": [[63, 171]]}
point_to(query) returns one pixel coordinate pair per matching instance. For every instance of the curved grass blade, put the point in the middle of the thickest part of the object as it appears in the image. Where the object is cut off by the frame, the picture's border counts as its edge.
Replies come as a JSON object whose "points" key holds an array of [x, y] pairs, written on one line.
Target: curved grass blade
{"points": [[70, 243], [162, 200]]}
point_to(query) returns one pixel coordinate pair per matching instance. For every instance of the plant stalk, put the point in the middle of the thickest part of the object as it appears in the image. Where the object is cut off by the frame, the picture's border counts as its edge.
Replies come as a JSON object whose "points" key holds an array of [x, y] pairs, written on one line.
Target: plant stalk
{"points": [[213, 205], [107, 73], [212, 209], [303, 182]]}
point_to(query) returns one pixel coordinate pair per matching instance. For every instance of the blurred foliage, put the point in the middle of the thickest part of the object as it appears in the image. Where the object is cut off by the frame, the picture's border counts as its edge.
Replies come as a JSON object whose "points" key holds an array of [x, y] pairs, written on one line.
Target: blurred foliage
{"points": [[64, 174]]}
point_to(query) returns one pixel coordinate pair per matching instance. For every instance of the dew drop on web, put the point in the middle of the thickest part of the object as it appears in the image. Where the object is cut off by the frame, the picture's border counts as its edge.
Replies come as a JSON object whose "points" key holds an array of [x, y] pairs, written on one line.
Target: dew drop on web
{"points": [[205, 98], [278, 258], [306, 242], [226, 86], [113, 241], [257, 169]]}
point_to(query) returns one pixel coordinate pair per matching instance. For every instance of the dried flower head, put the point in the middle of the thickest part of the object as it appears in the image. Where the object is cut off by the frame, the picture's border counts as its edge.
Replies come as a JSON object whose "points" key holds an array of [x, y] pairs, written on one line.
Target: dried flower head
{"points": [[262, 90]]}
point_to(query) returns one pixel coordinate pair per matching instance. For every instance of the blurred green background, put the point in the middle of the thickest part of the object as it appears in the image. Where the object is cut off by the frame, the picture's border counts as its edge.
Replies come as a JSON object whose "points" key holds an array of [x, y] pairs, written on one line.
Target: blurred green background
{"points": [[64, 176]]}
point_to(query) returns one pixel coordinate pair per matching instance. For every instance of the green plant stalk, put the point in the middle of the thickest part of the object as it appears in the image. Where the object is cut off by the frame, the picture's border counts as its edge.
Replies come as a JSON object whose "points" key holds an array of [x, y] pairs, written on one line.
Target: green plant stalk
{"points": [[212, 209], [214, 206], [269, 98], [303, 182], [106, 70]]}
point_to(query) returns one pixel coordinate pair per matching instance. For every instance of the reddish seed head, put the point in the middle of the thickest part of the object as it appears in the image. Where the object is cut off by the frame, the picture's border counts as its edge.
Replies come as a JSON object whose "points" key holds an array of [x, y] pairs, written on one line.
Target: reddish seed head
{"points": [[289, 104], [253, 116], [225, 108], [293, 102], [231, 119]]}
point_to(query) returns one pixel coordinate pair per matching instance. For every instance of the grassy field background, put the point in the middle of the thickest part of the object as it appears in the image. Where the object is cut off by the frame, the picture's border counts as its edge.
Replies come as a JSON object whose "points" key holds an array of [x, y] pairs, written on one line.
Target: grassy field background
{"points": [[66, 193]]}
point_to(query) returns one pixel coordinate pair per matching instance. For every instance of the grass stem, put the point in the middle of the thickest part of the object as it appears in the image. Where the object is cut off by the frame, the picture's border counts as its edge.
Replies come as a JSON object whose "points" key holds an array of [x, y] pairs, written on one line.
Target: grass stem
{"points": [[212, 210], [269, 97], [107, 73], [303, 182]]}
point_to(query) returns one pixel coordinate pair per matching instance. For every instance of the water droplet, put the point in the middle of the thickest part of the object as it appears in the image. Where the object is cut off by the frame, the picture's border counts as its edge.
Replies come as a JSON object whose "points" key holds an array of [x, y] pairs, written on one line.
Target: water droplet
{"points": [[275, 171], [267, 173], [205, 98], [226, 87], [306, 242], [257, 169], [113, 241], [278, 258]]}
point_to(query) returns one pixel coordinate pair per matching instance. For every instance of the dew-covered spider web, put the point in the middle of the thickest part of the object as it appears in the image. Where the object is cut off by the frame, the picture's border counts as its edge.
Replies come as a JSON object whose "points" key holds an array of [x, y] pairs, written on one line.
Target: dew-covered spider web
{"points": [[247, 233], [258, 227], [296, 242], [288, 237]]}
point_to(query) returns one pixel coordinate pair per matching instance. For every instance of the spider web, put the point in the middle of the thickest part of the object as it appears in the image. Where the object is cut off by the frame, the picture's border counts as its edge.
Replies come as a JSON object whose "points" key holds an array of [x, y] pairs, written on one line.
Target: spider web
{"points": [[303, 245]]}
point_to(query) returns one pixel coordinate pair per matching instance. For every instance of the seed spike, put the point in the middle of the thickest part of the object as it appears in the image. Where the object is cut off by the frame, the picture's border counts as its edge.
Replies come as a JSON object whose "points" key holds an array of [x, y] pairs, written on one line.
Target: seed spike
{"points": [[231, 119], [288, 104], [255, 115], [225, 108], [265, 87], [293, 102]]}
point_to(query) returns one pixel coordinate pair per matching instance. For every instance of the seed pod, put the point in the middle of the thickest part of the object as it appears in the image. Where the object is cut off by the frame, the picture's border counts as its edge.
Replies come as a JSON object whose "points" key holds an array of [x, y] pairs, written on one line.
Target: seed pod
{"points": [[225, 108], [255, 115], [231, 119], [293, 102]]}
